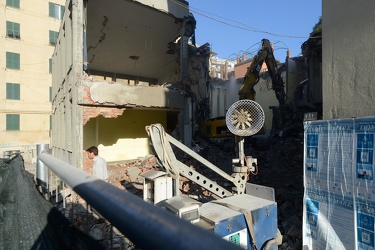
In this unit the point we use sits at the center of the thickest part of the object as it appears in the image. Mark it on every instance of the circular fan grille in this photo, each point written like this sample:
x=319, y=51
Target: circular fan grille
x=245, y=118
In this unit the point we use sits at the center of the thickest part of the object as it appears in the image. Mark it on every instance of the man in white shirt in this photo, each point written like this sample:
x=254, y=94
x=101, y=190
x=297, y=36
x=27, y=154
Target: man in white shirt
x=100, y=165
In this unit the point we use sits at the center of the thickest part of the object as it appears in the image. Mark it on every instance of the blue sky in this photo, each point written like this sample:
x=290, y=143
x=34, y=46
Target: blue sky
x=236, y=27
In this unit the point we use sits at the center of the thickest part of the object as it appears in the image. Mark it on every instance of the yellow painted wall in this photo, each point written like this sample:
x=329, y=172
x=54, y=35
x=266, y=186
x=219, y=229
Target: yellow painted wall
x=124, y=137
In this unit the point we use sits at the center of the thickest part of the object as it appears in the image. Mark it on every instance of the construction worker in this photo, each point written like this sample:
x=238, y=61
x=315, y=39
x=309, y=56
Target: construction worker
x=100, y=165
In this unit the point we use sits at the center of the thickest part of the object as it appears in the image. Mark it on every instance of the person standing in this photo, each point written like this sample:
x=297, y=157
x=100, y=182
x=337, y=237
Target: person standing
x=100, y=165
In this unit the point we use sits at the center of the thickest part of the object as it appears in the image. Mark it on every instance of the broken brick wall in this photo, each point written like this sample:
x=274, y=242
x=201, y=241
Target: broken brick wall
x=241, y=69
x=106, y=112
x=87, y=163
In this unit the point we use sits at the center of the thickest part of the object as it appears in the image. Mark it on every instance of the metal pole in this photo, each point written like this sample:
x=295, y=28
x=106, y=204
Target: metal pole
x=147, y=226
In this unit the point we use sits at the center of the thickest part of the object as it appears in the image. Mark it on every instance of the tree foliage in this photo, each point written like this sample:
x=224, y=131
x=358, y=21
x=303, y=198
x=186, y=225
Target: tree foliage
x=317, y=28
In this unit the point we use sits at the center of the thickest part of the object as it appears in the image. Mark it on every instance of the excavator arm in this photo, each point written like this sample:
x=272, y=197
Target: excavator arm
x=265, y=54
x=217, y=128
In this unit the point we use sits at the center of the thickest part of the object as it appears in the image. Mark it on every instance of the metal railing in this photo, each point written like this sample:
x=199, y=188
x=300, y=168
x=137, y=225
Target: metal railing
x=147, y=226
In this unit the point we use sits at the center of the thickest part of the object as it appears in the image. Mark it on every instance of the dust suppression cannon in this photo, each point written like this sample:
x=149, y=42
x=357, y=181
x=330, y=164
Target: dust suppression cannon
x=244, y=118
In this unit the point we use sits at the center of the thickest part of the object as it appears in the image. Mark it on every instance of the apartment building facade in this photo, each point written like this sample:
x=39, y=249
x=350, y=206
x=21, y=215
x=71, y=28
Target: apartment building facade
x=29, y=31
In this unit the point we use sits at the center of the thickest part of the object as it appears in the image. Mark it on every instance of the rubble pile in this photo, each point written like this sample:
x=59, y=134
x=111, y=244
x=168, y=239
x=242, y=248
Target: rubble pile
x=281, y=167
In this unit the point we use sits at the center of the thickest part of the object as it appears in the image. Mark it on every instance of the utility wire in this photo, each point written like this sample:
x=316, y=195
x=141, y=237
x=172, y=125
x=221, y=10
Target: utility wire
x=200, y=12
x=240, y=26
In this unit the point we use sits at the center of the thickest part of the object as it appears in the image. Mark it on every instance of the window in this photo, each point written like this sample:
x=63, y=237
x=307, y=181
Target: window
x=50, y=65
x=13, y=60
x=53, y=37
x=13, y=3
x=50, y=94
x=13, y=122
x=13, y=30
x=13, y=91
x=56, y=10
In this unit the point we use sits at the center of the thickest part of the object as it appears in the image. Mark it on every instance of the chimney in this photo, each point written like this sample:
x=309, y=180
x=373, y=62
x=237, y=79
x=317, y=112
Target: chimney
x=243, y=57
x=288, y=53
x=238, y=59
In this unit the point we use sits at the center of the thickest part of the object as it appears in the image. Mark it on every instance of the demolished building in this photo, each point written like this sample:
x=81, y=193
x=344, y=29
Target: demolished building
x=302, y=77
x=119, y=66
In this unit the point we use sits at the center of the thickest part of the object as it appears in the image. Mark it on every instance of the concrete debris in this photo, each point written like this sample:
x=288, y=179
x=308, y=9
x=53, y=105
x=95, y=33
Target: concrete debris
x=133, y=173
x=148, y=161
x=97, y=231
x=293, y=232
x=281, y=167
x=116, y=247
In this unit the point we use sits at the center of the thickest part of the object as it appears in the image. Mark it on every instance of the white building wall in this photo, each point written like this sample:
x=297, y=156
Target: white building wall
x=265, y=96
x=348, y=58
x=218, y=100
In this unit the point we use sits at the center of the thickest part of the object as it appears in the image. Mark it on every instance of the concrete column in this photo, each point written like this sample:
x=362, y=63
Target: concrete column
x=77, y=111
x=188, y=129
x=186, y=132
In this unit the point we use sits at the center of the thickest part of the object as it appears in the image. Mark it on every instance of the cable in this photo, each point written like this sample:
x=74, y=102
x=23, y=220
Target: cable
x=165, y=158
x=249, y=167
x=280, y=42
x=200, y=12
x=241, y=26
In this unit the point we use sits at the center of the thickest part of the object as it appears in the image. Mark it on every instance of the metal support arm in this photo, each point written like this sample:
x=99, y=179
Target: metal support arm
x=161, y=144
